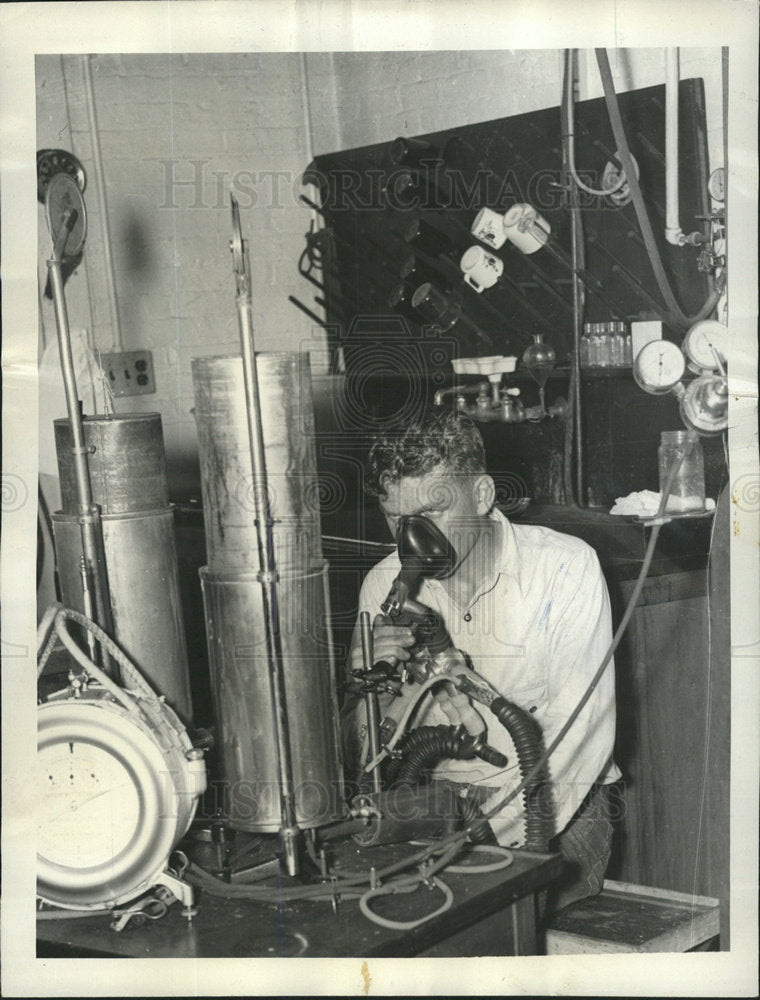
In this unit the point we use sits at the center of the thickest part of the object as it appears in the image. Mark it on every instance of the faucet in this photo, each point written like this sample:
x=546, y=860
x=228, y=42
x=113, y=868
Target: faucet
x=501, y=403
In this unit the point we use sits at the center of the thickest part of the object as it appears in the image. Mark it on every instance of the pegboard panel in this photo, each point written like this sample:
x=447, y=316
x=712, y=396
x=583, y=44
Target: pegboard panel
x=370, y=204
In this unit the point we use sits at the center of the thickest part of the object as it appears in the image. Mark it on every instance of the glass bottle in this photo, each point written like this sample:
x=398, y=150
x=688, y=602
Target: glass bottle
x=682, y=471
x=594, y=345
x=439, y=309
x=584, y=346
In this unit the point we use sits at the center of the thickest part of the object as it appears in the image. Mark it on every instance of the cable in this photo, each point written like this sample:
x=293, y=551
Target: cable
x=507, y=858
x=91, y=668
x=129, y=670
x=404, y=721
x=638, y=202
x=405, y=925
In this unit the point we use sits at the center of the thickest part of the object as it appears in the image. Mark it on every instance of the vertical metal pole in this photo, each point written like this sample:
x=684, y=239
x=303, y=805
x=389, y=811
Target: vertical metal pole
x=370, y=698
x=289, y=831
x=88, y=514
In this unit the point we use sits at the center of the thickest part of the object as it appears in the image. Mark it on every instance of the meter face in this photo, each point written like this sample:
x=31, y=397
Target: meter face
x=89, y=807
x=705, y=344
x=659, y=366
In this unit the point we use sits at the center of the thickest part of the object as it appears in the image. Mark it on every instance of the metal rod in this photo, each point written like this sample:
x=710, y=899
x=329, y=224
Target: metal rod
x=102, y=199
x=289, y=831
x=88, y=514
x=578, y=262
x=370, y=698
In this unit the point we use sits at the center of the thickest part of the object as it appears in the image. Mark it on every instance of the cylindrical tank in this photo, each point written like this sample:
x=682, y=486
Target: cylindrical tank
x=287, y=419
x=143, y=582
x=242, y=696
x=128, y=483
x=233, y=595
x=125, y=461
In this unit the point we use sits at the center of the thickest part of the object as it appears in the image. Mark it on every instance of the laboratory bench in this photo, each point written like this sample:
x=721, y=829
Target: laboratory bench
x=491, y=914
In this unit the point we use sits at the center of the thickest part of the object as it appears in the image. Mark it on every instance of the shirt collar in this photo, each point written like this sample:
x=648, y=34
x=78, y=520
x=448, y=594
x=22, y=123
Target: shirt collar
x=509, y=560
x=508, y=563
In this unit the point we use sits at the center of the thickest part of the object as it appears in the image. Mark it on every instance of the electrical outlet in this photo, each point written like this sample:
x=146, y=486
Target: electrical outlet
x=129, y=373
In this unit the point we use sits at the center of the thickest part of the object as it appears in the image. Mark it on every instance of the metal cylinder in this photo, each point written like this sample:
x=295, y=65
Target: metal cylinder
x=246, y=740
x=125, y=460
x=287, y=418
x=143, y=580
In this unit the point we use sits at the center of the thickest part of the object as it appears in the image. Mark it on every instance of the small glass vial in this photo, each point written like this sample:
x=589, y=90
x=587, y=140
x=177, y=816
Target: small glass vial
x=584, y=346
x=686, y=488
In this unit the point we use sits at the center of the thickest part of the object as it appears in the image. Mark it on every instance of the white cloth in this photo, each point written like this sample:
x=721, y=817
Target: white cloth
x=537, y=630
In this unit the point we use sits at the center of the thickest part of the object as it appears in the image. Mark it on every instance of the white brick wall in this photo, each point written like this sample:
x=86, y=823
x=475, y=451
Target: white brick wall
x=223, y=120
x=227, y=120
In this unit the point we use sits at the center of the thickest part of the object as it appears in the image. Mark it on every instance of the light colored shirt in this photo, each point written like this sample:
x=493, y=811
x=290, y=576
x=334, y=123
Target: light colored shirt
x=537, y=630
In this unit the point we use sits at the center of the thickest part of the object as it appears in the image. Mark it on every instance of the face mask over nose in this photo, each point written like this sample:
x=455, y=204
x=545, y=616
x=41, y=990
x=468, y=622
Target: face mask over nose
x=424, y=551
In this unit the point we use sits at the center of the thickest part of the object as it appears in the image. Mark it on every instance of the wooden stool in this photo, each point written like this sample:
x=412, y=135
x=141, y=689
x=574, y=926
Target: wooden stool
x=627, y=917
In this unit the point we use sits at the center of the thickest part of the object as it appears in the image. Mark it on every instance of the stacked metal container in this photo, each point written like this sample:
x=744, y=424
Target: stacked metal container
x=128, y=482
x=233, y=601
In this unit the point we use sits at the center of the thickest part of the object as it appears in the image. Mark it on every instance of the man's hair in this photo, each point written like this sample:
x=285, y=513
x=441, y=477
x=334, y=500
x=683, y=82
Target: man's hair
x=436, y=439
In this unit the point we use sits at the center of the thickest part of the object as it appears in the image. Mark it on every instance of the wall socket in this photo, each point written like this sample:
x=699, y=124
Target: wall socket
x=129, y=373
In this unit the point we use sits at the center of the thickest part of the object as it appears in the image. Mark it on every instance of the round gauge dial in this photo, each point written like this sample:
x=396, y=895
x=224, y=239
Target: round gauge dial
x=659, y=366
x=57, y=161
x=66, y=215
x=705, y=344
x=716, y=185
x=89, y=806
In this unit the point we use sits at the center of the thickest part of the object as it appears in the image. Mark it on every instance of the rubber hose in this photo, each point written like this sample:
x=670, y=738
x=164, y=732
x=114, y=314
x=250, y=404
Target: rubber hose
x=480, y=831
x=527, y=738
x=423, y=748
x=645, y=225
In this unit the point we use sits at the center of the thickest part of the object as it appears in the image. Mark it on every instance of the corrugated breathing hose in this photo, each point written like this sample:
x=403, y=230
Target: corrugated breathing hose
x=527, y=738
x=425, y=747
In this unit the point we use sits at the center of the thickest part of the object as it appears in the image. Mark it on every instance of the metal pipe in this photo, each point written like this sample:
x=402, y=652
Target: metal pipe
x=101, y=187
x=576, y=235
x=289, y=830
x=370, y=698
x=88, y=515
x=673, y=233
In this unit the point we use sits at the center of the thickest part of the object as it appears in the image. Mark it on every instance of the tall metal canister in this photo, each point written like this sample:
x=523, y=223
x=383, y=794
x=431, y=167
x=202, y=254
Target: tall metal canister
x=233, y=600
x=128, y=481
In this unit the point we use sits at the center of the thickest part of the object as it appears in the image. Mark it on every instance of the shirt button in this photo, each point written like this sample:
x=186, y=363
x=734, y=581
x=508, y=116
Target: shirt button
x=468, y=617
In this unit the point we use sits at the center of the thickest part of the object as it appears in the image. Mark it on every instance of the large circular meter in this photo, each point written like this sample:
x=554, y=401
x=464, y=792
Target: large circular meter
x=705, y=344
x=115, y=791
x=659, y=367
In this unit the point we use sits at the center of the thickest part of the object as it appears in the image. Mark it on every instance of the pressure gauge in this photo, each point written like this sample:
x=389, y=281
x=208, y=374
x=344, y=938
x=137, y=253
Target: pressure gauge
x=659, y=367
x=716, y=185
x=705, y=344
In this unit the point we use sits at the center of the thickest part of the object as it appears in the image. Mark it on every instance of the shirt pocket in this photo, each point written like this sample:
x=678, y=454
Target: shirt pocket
x=532, y=698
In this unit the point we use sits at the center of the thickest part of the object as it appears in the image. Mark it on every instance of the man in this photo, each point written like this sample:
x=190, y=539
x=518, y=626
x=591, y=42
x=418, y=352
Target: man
x=529, y=608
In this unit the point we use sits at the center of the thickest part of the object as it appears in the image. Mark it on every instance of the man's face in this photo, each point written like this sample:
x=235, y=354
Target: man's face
x=457, y=503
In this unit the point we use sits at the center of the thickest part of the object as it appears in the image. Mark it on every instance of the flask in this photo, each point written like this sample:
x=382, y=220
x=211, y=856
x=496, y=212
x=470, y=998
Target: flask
x=686, y=485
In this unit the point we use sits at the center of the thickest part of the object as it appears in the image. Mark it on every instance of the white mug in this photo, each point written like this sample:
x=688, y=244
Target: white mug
x=525, y=228
x=488, y=227
x=481, y=269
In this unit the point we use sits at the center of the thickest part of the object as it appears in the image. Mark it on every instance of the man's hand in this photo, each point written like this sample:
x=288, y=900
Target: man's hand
x=390, y=644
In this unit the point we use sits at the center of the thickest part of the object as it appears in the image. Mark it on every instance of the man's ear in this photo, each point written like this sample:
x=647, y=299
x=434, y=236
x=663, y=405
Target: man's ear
x=485, y=493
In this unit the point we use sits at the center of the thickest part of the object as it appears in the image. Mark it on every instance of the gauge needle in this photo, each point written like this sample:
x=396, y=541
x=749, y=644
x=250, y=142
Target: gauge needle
x=90, y=798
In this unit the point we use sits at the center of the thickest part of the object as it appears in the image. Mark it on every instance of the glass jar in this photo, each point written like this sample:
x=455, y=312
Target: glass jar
x=686, y=488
